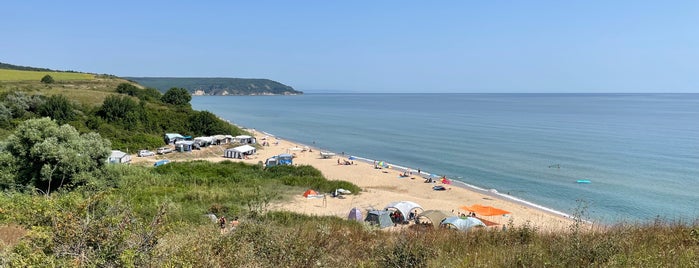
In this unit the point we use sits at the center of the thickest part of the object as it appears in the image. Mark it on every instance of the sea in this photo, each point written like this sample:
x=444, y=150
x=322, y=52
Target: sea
x=637, y=154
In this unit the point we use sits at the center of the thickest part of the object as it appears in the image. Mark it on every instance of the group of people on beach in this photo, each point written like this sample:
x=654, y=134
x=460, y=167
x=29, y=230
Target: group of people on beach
x=222, y=222
x=344, y=162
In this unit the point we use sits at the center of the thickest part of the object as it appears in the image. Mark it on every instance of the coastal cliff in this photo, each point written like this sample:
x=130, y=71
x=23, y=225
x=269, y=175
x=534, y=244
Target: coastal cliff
x=218, y=86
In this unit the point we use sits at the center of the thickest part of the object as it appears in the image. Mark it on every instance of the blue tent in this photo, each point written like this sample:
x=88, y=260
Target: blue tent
x=380, y=218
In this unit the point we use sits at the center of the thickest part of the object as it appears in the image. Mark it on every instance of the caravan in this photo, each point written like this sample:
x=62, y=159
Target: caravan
x=282, y=159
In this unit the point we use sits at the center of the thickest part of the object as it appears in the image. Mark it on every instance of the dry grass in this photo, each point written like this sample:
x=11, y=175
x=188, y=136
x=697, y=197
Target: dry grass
x=10, y=235
x=91, y=92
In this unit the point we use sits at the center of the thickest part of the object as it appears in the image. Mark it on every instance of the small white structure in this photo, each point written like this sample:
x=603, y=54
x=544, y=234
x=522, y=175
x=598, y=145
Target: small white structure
x=118, y=157
x=240, y=151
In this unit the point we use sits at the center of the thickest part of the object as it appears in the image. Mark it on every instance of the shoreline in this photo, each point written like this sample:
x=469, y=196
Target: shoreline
x=461, y=184
x=468, y=188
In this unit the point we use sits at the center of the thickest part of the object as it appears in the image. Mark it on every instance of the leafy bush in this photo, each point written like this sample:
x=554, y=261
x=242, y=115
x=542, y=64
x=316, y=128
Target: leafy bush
x=177, y=96
x=58, y=108
x=49, y=156
x=47, y=79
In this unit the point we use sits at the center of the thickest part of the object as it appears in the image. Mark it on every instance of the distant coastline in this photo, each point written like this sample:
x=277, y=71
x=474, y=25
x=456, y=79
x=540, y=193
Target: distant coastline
x=218, y=86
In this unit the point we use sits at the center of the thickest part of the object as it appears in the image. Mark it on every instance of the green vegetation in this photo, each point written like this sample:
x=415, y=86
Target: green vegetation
x=47, y=79
x=8, y=66
x=62, y=206
x=218, y=86
x=176, y=96
x=46, y=156
x=18, y=75
x=135, y=119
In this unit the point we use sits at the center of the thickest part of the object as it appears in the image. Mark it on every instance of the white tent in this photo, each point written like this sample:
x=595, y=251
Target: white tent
x=462, y=224
x=204, y=141
x=219, y=139
x=405, y=207
x=240, y=151
x=245, y=139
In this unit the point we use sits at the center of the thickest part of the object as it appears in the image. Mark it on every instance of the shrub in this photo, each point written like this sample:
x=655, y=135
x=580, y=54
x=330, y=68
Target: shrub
x=47, y=79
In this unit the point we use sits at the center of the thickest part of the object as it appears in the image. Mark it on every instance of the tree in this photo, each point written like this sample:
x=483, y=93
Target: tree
x=124, y=110
x=48, y=156
x=126, y=88
x=147, y=94
x=206, y=123
x=5, y=116
x=58, y=108
x=177, y=96
x=21, y=104
x=47, y=79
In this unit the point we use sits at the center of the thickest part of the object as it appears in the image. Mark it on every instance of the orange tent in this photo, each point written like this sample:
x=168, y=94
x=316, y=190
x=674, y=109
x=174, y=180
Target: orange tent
x=485, y=210
x=309, y=192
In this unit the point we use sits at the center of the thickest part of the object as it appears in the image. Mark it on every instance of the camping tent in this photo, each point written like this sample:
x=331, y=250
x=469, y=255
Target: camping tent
x=171, y=138
x=433, y=217
x=219, y=139
x=240, y=151
x=310, y=193
x=404, y=207
x=184, y=146
x=355, y=214
x=245, y=139
x=462, y=224
x=204, y=141
x=379, y=217
x=485, y=210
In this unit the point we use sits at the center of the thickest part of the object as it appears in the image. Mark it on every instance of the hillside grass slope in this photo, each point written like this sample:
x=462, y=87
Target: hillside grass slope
x=19, y=75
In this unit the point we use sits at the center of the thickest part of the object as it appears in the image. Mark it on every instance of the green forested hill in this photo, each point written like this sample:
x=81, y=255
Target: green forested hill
x=218, y=86
x=23, y=68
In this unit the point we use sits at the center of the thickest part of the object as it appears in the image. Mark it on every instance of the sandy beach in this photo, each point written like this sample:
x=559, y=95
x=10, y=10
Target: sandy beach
x=381, y=187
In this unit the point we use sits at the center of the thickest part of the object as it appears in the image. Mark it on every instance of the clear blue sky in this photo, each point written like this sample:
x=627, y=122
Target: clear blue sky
x=370, y=46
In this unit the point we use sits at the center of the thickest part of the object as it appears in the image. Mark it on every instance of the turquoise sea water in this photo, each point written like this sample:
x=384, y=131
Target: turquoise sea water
x=640, y=151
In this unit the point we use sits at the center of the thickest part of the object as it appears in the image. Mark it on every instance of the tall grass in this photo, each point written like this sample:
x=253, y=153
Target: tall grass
x=291, y=240
x=154, y=217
